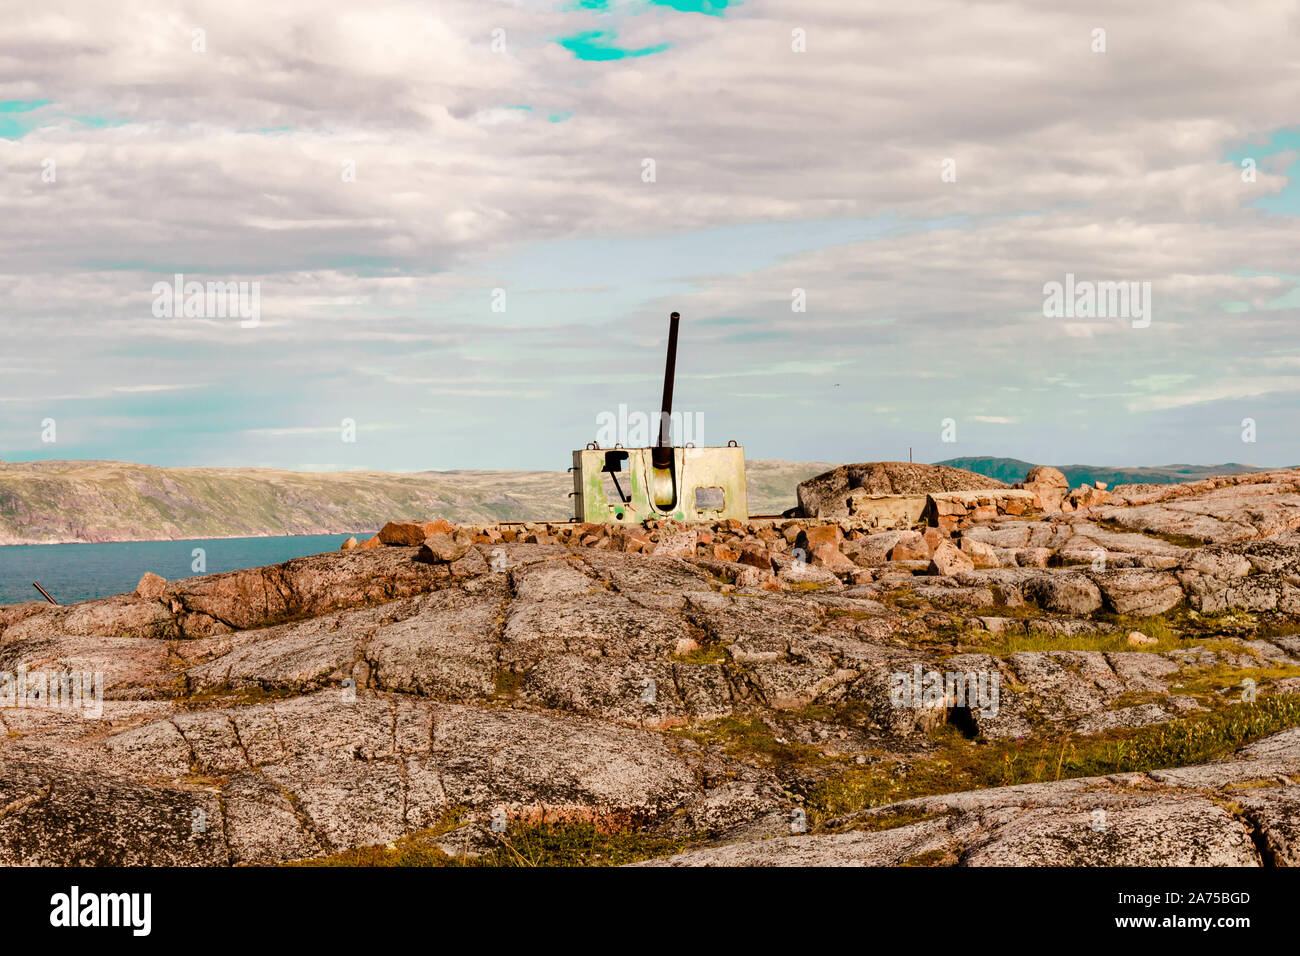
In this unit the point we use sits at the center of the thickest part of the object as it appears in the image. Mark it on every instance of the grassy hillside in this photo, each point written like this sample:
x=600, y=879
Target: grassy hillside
x=55, y=501
x=1012, y=470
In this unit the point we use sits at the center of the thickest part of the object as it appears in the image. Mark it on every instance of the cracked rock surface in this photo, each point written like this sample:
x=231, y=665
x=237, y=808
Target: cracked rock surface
x=354, y=699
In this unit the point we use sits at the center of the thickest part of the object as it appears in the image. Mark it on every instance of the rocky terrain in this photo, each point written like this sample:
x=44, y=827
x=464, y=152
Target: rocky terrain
x=1037, y=675
x=52, y=502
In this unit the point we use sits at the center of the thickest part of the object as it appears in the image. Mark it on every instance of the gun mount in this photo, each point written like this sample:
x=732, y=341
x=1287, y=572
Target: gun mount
x=628, y=485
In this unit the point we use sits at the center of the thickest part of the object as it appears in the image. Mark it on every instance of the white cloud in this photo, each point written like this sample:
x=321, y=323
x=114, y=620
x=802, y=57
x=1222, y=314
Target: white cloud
x=1218, y=391
x=375, y=293
x=152, y=388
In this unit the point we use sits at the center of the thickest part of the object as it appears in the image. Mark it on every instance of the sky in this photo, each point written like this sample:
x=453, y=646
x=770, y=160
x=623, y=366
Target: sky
x=466, y=223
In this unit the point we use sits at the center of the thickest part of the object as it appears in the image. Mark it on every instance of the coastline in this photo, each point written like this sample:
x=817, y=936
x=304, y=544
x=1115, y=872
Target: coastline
x=27, y=543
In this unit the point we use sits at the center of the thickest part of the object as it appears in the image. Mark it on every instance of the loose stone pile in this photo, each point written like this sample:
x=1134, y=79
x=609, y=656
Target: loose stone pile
x=1071, y=550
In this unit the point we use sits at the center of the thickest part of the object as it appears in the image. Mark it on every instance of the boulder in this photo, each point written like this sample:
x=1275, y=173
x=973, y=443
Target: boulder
x=723, y=553
x=1139, y=592
x=1064, y=593
x=811, y=538
x=631, y=542
x=1033, y=557
x=910, y=546
x=1217, y=563
x=797, y=572
x=1086, y=496
x=411, y=534
x=828, y=556
x=948, y=559
x=151, y=587
x=885, y=511
x=980, y=553
x=470, y=564
x=1047, y=476
x=1050, y=485
x=873, y=549
x=828, y=495
x=443, y=548
x=679, y=545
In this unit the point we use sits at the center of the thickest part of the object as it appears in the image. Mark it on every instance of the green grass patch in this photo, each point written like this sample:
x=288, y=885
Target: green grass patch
x=903, y=598
x=853, y=615
x=1003, y=645
x=751, y=739
x=1253, y=784
x=574, y=844
x=1179, y=540
x=708, y=654
x=1179, y=628
x=1277, y=626
x=506, y=682
x=418, y=849
x=1136, y=698
x=928, y=858
x=545, y=844
x=1208, y=684
x=845, y=713
x=226, y=695
x=964, y=765
x=1110, y=635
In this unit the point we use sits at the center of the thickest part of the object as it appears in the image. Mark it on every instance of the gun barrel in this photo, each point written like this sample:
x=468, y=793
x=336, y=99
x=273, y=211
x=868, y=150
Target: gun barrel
x=45, y=593
x=663, y=458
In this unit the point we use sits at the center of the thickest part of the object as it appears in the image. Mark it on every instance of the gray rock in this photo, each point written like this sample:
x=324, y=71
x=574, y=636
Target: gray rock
x=948, y=559
x=443, y=548
x=827, y=495
x=1185, y=831
x=1064, y=593
x=1139, y=592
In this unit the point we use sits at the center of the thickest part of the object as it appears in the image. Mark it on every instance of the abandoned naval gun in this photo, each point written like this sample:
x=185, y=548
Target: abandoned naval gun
x=686, y=483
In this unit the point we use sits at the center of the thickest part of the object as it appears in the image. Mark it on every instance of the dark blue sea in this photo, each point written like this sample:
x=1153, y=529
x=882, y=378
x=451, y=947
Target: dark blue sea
x=78, y=572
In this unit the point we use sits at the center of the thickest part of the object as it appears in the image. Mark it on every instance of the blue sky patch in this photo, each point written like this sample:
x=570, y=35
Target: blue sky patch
x=21, y=106
x=14, y=123
x=1287, y=202
x=711, y=8
x=20, y=117
x=598, y=45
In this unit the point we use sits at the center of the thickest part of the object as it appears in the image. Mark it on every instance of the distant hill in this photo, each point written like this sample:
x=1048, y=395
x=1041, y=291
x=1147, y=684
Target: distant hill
x=47, y=502
x=1012, y=470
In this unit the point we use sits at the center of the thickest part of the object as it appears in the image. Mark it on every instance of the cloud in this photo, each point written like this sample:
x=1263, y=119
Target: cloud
x=1218, y=391
x=152, y=388
x=775, y=171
